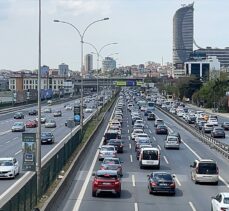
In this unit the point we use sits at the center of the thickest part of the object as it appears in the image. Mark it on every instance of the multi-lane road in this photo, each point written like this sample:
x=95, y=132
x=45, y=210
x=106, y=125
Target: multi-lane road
x=11, y=142
x=135, y=196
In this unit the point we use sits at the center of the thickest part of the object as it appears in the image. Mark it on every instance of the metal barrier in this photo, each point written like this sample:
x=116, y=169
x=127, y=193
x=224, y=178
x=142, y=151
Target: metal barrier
x=22, y=196
x=212, y=142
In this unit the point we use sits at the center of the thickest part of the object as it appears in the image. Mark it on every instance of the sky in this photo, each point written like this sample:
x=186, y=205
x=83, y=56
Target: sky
x=142, y=28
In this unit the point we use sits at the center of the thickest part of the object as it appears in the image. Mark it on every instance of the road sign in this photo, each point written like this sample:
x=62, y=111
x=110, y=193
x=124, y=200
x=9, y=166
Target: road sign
x=77, y=118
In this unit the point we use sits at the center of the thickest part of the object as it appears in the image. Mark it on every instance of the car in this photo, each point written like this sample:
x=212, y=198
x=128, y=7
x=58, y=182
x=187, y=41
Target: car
x=33, y=112
x=218, y=132
x=19, y=115
x=47, y=110
x=205, y=171
x=149, y=157
x=199, y=125
x=140, y=136
x=68, y=107
x=9, y=167
x=138, y=126
x=225, y=125
x=47, y=138
x=107, y=151
x=190, y=119
x=136, y=131
x=140, y=141
x=31, y=124
x=158, y=122
x=176, y=134
x=161, y=182
x=151, y=116
x=43, y=119
x=141, y=146
x=106, y=181
x=88, y=110
x=213, y=121
x=57, y=113
x=207, y=128
x=172, y=142
x=117, y=143
x=50, y=123
x=139, y=121
x=220, y=202
x=112, y=164
x=111, y=134
x=161, y=129
x=18, y=127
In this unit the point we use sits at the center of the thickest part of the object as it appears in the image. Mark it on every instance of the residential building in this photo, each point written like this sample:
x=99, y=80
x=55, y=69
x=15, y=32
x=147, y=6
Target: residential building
x=182, y=38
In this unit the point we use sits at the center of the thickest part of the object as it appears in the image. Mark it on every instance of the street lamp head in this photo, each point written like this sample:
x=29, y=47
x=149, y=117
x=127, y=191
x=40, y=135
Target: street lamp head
x=106, y=19
x=57, y=21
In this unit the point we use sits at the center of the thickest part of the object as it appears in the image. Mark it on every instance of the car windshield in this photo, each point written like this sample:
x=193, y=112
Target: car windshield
x=159, y=176
x=44, y=135
x=18, y=124
x=172, y=139
x=6, y=163
x=107, y=176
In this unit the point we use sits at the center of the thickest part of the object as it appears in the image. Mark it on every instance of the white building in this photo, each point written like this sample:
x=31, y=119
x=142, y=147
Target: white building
x=205, y=69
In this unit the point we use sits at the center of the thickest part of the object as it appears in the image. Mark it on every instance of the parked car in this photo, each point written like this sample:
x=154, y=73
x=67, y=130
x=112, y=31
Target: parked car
x=106, y=181
x=19, y=115
x=205, y=171
x=33, y=112
x=112, y=164
x=47, y=138
x=9, y=167
x=220, y=202
x=218, y=132
x=31, y=124
x=18, y=127
x=161, y=182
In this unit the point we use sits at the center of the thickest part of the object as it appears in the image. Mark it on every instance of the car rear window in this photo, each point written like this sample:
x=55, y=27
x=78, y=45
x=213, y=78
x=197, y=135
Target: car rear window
x=150, y=155
x=163, y=176
x=226, y=200
x=111, y=135
x=207, y=168
x=107, y=176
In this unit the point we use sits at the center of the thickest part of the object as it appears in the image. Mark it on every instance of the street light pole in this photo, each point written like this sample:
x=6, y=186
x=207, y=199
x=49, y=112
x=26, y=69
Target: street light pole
x=82, y=42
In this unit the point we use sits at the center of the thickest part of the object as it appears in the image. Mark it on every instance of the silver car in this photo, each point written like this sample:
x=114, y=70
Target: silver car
x=172, y=142
x=107, y=151
x=50, y=123
x=18, y=127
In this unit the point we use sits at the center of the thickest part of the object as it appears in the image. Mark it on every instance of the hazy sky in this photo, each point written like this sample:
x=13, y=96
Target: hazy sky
x=142, y=29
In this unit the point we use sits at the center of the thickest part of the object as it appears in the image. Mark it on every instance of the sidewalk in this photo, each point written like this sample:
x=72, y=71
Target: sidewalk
x=207, y=110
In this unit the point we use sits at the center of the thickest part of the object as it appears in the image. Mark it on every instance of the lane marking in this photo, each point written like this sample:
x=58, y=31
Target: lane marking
x=131, y=158
x=129, y=138
x=18, y=152
x=127, y=125
x=177, y=180
x=135, y=206
x=127, y=121
x=150, y=131
x=154, y=138
x=223, y=181
x=166, y=160
x=15, y=138
x=133, y=180
x=192, y=206
x=130, y=146
x=159, y=147
x=147, y=126
x=8, y=142
x=128, y=131
x=5, y=132
x=191, y=149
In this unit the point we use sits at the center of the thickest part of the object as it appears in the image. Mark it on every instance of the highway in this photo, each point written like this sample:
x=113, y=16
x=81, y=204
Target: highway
x=11, y=142
x=135, y=196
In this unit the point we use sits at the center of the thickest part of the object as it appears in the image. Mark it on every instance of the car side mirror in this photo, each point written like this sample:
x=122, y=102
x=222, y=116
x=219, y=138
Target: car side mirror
x=173, y=175
x=191, y=166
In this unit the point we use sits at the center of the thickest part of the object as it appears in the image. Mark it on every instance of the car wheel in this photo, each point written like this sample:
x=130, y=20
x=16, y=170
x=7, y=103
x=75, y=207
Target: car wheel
x=118, y=194
x=141, y=167
x=158, y=167
x=93, y=193
x=216, y=183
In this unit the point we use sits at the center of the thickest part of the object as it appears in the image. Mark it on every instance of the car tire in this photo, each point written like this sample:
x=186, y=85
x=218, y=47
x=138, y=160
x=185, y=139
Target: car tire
x=118, y=194
x=93, y=194
x=216, y=183
x=141, y=167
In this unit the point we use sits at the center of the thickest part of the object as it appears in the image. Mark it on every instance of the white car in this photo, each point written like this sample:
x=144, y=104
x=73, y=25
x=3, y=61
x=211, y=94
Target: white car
x=9, y=167
x=107, y=151
x=136, y=131
x=213, y=121
x=88, y=110
x=220, y=202
x=68, y=107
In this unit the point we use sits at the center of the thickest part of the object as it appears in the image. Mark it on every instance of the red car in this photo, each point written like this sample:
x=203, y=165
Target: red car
x=31, y=124
x=106, y=181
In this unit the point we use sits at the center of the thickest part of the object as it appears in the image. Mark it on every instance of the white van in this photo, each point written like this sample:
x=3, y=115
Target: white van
x=149, y=157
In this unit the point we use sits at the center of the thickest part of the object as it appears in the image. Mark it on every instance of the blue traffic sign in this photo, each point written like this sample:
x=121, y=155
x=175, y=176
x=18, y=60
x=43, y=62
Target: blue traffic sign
x=77, y=118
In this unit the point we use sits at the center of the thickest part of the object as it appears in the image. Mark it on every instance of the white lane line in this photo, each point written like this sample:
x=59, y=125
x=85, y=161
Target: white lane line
x=127, y=125
x=133, y=180
x=154, y=138
x=127, y=121
x=135, y=206
x=129, y=138
x=128, y=131
x=15, y=138
x=85, y=184
x=166, y=160
x=159, y=147
x=150, y=131
x=177, y=180
x=147, y=126
x=223, y=180
x=130, y=146
x=192, y=206
x=18, y=152
x=5, y=132
x=191, y=149
x=8, y=142
x=131, y=158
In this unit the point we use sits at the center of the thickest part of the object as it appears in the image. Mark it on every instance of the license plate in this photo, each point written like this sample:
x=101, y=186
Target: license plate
x=163, y=184
x=106, y=183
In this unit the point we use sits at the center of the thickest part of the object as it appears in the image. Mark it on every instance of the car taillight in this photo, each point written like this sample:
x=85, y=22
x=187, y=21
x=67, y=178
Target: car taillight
x=96, y=182
x=153, y=184
x=117, y=182
x=173, y=185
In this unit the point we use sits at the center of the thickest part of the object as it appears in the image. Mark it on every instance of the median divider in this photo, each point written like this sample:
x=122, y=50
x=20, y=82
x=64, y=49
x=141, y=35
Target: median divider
x=23, y=195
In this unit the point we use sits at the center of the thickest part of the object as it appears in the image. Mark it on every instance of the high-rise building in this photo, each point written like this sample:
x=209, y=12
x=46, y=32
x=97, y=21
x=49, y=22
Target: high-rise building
x=88, y=63
x=63, y=70
x=182, y=38
x=44, y=71
x=108, y=64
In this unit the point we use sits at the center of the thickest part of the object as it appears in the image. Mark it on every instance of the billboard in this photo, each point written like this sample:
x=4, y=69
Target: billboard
x=120, y=83
x=29, y=151
x=76, y=111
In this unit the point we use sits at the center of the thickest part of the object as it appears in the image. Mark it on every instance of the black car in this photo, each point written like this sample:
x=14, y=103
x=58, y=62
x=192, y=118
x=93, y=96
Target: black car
x=225, y=125
x=161, y=182
x=161, y=129
x=151, y=116
x=111, y=134
x=218, y=132
x=47, y=138
x=117, y=143
x=33, y=112
x=18, y=115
